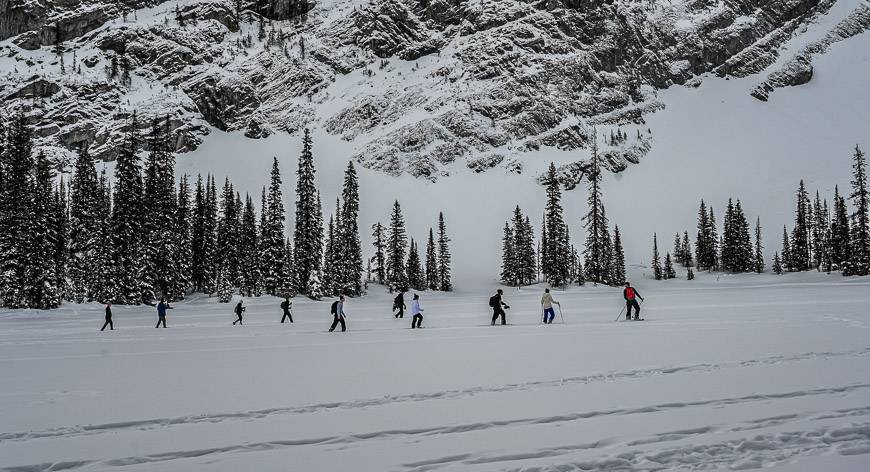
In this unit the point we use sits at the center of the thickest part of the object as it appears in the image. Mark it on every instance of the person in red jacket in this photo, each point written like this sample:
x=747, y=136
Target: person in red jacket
x=631, y=295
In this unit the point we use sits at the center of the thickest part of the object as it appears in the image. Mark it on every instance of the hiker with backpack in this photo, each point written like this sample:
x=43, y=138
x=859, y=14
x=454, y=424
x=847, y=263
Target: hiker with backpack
x=161, y=313
x=239, y=310
x=108, y=318
x=399, y=304
x=547, y=306
x=287, y=308
x=417, y=312
x=337, y=310
x=631, y=295
x=496, y=304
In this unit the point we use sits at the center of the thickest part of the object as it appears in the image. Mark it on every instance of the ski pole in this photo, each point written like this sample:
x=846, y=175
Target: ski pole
x=620, y=314
x=560, y=314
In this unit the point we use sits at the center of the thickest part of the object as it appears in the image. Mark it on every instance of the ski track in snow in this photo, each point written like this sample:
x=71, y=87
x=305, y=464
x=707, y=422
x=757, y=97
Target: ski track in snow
x=79, y=430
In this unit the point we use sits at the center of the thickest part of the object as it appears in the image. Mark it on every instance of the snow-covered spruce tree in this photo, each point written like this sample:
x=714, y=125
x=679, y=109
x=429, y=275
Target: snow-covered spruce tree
x=184, y=241
x=525, y=245
x=786, y=250
x=128, y=217
x=656, y=260
x=227, y=249
x=331, y=261
x=379, y=259
x=287, y=286
x=431, y=262
x=687, y=250
x=350, y=249
x=272, y=227
x=159, y=270
x=397, y=241
x=669, y=272
x=595, y=222
x=249, y=258
x=702, y=241
x=416, y=279
x=508, y=257
x=84, y=217
x=758, y=257
x=744, y=240
x=555, y=262
x=16, y=164
x=714, y=242
x=800, y=236
x=819, y=230
x=859, y=256
x=314, y=289
x=225, y=286
x=729, y=239
x=40, y=286
x=444, y=279
x=840, y=231
x=308, y=234
x=617, y=268
x=678, y=249
x=203, y=236
x=61, y=238
x=104, y=288
x=777, y=264
x=607, y=253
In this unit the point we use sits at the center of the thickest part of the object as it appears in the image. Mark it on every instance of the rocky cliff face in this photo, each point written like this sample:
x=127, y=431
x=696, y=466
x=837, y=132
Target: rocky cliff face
x=418, y=86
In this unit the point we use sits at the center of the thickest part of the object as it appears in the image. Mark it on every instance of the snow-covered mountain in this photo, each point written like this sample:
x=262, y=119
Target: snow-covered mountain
x=414, y=86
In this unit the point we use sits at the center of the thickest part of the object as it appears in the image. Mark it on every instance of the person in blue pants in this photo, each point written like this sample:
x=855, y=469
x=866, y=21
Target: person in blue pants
x=547, y=305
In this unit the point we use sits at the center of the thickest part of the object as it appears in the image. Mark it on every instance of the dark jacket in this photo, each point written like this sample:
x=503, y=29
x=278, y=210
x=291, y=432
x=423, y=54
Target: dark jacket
x=161, y=309
x=108, y=313
x=238, y=309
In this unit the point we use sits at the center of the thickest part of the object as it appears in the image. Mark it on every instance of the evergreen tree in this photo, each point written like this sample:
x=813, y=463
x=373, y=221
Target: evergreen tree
x=330, y=260
x=380, y=258
x=84, y=217
x=127, y=218
x=444, y=280
x=800, y=236
x=840, y=232
x=184, y=240
x=819, y=228
x=41, y=290
x=287, y=287
x=678, y=250
x=203, y=236
x=687, y=250
x=859, y=256
x=159, y=270
x=415, y=273
x=618, y=261
x=272, y=229
x=786, y=250
x=508, y=258
x=669, y=272
x=555, y=263
x=397, y=241
x=758, y=259
x=249, y=257
x=104, y=286
x=16, y=164
x=525, y=244
x=308, y=235
x=656, y=264
x=431, y=262
x=713, y=242
x=228, y=254
x=61, y=238
x=597, y=262
x=350, y=249
x=702, y=245
x=777, y=264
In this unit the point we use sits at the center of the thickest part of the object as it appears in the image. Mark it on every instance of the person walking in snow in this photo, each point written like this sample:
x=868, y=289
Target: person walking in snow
x=399, y=304
x=287, y=307
x=108, y=318
x=631, y=295
x=496, y=303
x=337, y=310
x=417, y=312
x=161, y=313
x=547, y=305
x=239, y=310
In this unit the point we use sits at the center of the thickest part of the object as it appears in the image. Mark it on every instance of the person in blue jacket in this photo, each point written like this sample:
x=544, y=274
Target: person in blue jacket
x=161, y=313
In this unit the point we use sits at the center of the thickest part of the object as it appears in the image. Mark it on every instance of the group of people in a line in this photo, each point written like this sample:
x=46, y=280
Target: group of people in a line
x=498, y=305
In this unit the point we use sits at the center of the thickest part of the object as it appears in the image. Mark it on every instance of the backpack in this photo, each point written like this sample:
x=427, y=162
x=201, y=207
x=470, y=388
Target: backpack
x=398, y=300
x=493, y=301
x=284, y=305
x=334, y=309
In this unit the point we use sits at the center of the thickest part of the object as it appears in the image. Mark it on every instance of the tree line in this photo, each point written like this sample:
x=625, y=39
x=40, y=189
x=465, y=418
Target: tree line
x=556, y=258
x=820, y=239
x=148, y=236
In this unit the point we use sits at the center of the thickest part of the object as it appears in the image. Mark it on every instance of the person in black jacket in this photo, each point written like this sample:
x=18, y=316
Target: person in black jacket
x=399, y=304
x=631, y=295
x=337, y=310
x=108, y=318
x=239, y=310
x=496, y=304
x=287, y=307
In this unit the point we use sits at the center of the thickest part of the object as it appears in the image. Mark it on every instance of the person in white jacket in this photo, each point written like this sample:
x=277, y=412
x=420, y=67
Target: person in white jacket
x=547, y=303
x=417, y=321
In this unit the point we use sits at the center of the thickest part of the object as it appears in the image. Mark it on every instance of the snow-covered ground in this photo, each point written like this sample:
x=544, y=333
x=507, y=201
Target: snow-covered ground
x=726, y=372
